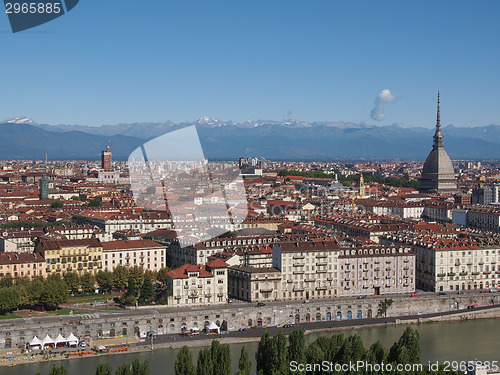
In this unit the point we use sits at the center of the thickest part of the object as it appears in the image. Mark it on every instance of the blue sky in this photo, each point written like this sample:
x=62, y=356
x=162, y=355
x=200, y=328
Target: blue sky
x=112, y=61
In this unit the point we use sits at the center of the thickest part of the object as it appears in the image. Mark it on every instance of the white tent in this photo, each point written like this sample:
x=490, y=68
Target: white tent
x=60, y=340
x=72, y=340
x=47, y=341
x=35, y=342
x=213, y=327
x=195, y=329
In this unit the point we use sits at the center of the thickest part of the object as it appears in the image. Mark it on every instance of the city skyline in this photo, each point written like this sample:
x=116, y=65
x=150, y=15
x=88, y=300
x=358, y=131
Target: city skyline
x=325, y=61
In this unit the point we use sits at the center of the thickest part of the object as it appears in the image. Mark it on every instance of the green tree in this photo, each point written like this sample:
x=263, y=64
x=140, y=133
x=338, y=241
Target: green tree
x=54, y=292
x=383, y=306
x=205, y=365
x=137, y=273
x=87, y=281
x=221, y=358
x=120, y=277
x=9, y=299
x=244, y=365
x=407, y=348
x=147, y=291
x=22, y=285
x=58, y=370
x=105, y=280
x=184, y=362
x=72, y=280
x=35, y=289
x=261, y=356
x=6, y=281
x=104, y=369
x=161, y=276
x=131, y=295
x=124, y=369
x=297, y=348
x=56, y=204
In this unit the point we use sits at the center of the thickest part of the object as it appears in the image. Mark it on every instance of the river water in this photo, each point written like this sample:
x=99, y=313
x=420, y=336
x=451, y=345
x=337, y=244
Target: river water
x=451, y=341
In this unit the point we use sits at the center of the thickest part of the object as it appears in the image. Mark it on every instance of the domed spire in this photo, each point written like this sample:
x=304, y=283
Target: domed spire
x=438, y=136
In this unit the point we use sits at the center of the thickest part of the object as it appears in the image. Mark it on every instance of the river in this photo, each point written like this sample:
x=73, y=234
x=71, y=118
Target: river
x=452, y=341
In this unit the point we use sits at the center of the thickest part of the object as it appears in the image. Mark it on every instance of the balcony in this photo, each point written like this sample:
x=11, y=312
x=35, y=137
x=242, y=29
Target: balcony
x=406, y=268
x=441, y=275
x=298, y=272
x=220, y=294
x=451, y=273
x=186, y=286
x=463, y=273
x=310, y=280
x=208, y=295
x=298, y=289
x=365, y=278
x=475, y=273
x=178, y=296
x=298, y=256
x=321, y=288
x=321, y=256
x=486, y=272
x=193, y=296
x=322, y=264
x=388, y=269
x=321, y=271
x=266, y=290
x=377, y=269
x=298, y=264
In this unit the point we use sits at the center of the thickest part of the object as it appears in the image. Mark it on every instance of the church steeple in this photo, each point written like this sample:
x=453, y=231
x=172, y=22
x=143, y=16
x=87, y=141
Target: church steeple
x=438, y=136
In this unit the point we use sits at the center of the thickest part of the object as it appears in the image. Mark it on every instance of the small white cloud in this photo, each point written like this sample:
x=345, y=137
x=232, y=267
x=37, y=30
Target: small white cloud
x=377, y=112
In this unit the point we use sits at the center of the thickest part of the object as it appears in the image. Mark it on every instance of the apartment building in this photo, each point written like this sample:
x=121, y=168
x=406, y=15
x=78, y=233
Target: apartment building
x=147, y=254
x=452, y=263
x=112, y=220
x=309, y=269
x=376, y=270
x=71, y=255
x=22, y=265
x=198, y=284
x=254, y=284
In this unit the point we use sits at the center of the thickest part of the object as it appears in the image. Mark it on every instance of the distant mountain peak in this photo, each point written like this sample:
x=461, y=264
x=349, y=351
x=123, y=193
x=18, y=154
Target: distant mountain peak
x=20, y=120
x=207, y=120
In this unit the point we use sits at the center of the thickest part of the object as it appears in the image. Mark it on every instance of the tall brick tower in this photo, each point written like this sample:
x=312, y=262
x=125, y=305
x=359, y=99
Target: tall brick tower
x=106, y=160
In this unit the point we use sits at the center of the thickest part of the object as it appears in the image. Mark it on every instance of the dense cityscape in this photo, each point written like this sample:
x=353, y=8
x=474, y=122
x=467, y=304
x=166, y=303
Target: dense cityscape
x=311, y=242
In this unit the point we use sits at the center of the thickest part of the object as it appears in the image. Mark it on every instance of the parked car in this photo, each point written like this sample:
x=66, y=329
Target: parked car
x=493, y=290
x=461, y=292
x=484, y=291
x=442, y=293
x=288, y=325
x=260, y=304
x=306, y=301
x=229, y=300
x=414, y=295
x=361, y=297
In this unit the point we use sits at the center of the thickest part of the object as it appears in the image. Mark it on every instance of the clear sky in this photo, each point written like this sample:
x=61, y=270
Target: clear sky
x=112, y=61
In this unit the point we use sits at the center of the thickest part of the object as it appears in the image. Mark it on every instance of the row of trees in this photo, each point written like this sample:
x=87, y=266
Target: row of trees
x=55, y=290
x=276, y=353
x=215, y=360
x=135, y=368
x=23, y=292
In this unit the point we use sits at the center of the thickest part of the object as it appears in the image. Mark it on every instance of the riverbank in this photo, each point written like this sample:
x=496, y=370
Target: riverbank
x=253, y=335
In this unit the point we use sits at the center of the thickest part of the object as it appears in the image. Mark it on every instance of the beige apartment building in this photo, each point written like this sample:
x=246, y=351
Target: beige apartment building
x=452, y=264
x=71, y=255
x=254, y=284
x=198, y=284
x=309, y=269
x=22, y=265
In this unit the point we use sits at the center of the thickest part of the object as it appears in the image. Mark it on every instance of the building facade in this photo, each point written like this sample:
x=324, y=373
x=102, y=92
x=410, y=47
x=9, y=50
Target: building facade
x=147, y=254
